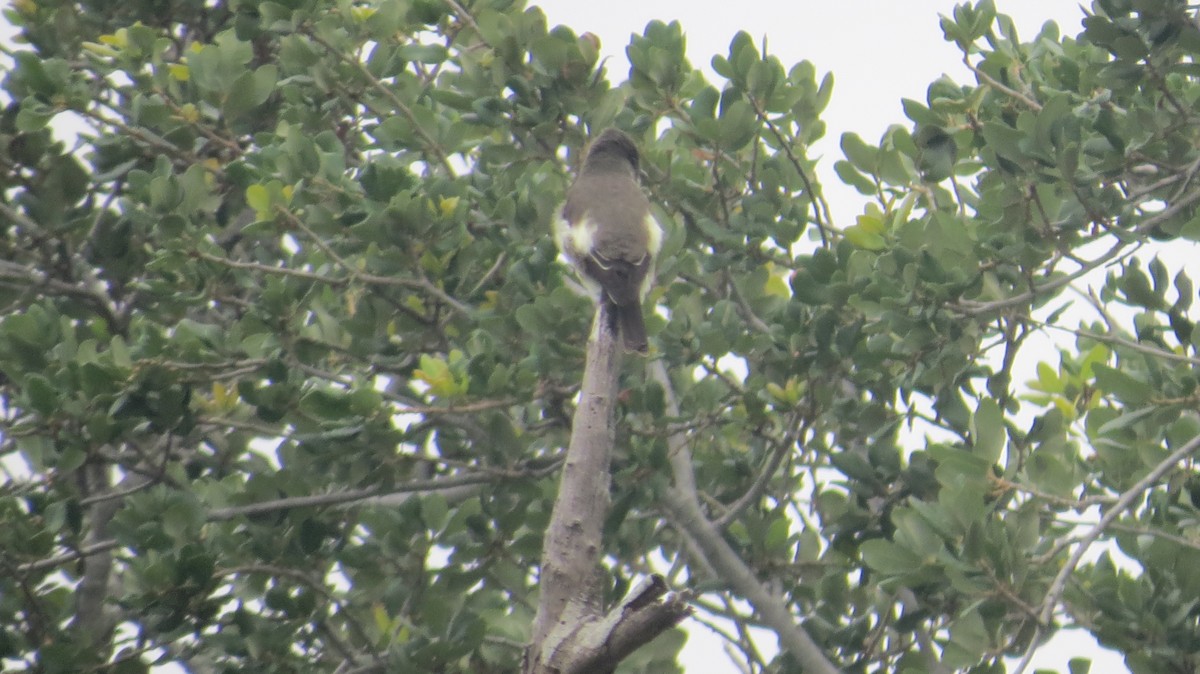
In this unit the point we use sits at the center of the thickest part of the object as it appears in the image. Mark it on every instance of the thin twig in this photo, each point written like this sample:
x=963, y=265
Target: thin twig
x=391, y=96
x=343, y=497
x=422, y=284
x=1058, y=586
x=1121, y=341
x=487, y=276
x=65, y=558
x=465, y=17
x=1157, y=533
x=371, y=279
x=824, y=226
x=976, y=308
x=993, y=83
x=34, y=278
x=760, y=482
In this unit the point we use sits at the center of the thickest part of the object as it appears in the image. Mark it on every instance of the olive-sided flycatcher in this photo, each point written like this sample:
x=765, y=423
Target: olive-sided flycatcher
x=607, y=233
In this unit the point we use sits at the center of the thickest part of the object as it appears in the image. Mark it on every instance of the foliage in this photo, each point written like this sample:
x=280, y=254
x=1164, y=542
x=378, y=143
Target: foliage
x=289, y=360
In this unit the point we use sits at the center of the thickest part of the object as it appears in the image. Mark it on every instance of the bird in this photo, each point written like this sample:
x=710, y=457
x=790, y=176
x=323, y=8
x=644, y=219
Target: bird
x=607, y=233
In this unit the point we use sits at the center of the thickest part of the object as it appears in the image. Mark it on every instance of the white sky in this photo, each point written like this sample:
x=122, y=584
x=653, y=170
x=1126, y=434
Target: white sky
x=879, y=51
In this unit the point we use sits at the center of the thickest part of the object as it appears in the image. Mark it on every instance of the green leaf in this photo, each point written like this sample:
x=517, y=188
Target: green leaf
x=763, y=77
x=988, y=431
x=917, y=112
x=853, y=465
x=1136, y=286
x=215, y=66
x=33, y=116
x=936, y=153
x=120, y=352
x=436, y=53
x=258, y=198
x=1130, y=390
x=1079, y=665
x=865, y=238
x=956, y=465
x=250, y=90
x=1049, y=472
x=435, y=511
x=41, y=394
x=968, y=638
x=862, y=156
x=1004, y=140
x=850, y=175
x=1125, y=420
x=1047, y=379
x=70, y=459
x=776, y=540
x=915, y=533
x=737, y=125
x=888, y=558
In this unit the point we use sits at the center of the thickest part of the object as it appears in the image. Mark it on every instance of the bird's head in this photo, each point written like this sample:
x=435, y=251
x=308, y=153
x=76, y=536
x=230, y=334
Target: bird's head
x=614, y=149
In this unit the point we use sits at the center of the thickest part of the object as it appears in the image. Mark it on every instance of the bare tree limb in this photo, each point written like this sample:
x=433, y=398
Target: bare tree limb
x=768, y=603
x=683, y=504
x=572, y=546
x=94, y=621
x=569, y=635
x=601, y=645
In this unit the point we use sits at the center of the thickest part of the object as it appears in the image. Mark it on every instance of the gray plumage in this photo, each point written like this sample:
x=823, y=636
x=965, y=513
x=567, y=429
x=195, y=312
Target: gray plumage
x=608, y=233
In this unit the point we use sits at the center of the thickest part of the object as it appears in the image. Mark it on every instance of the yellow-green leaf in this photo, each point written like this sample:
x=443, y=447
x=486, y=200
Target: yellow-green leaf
x=864, y=238
x=258, y=198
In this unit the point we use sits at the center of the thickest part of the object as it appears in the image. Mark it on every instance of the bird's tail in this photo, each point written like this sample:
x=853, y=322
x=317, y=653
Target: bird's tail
x=633, y=327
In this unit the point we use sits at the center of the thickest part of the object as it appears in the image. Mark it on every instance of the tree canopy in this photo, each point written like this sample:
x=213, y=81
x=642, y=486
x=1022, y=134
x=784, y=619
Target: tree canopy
x=288, y=366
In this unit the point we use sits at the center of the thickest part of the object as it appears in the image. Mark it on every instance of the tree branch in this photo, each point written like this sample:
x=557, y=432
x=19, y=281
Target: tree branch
x=572, y=546
x=602, y=644
x=93, y=619
x=991, y=82
x=27, y=277
x=68, y=557
x=424, y=285
x=1059, y=585
x=569, y=635
x=825, y=226
x=457, y=486
x=345, y=497
x=760, y=483
x=683, y=503
x=387, y=92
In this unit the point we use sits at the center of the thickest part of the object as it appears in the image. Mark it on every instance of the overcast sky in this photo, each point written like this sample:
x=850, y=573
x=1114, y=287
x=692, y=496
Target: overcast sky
x=879, y=51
